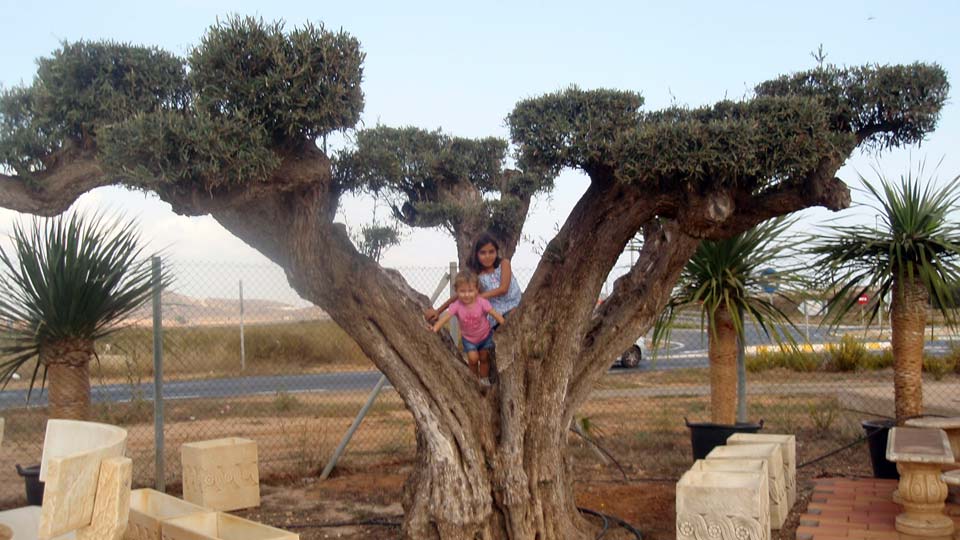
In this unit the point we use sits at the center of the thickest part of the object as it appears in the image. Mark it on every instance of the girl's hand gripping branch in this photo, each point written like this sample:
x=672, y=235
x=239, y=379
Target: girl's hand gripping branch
x=444, y=319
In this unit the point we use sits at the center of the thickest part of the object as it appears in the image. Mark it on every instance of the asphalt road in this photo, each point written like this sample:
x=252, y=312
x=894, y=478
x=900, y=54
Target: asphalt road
x=687, y=350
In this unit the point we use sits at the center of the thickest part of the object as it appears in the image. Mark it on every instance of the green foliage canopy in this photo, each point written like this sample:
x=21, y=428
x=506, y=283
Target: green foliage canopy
x=435, y=179
x=246, y=97
x=780, y=134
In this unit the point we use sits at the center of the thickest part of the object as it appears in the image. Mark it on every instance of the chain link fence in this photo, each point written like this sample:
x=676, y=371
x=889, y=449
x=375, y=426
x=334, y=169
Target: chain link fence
x=244, y=356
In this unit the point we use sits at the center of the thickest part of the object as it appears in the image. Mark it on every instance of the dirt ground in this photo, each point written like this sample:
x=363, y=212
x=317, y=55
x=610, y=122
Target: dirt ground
x=362, y=504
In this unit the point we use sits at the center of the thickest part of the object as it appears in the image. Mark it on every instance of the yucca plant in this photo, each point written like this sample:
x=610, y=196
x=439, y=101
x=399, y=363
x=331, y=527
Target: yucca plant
x=723, y=281
x=911, y=253
x=66, y=282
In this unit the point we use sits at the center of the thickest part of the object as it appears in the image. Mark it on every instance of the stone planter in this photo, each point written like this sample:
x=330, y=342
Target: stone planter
x=150, y=508
x=220, y=526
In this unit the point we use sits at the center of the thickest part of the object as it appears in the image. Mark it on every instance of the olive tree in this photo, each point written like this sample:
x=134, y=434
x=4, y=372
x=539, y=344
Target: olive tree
x=231, y=131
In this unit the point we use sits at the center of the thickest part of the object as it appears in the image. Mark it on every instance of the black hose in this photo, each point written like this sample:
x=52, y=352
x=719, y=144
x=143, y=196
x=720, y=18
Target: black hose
x=596, y=445
x=334, y=524
x=607, y=518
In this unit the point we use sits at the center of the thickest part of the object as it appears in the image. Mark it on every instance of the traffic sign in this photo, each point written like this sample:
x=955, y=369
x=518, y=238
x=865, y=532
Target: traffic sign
x=863, y=299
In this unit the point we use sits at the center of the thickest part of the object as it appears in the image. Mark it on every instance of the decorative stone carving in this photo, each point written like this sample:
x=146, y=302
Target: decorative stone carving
x=220, y=526
x=73, y=453
x=221, y=474
x=112, y=505
x=788, y=451
x=722, y=506
x=919, y=454
x=776, y=482
x=149, y=508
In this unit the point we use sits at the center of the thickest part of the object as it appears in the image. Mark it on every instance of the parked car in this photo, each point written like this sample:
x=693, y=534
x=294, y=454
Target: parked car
x=632, y=357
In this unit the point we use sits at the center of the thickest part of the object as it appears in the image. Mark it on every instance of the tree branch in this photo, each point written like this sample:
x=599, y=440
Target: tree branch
x=637, y=298
x=820, y=188
x=53, y=191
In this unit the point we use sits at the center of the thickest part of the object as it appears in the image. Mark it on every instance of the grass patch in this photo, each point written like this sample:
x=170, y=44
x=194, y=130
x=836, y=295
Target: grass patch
x=213, y=350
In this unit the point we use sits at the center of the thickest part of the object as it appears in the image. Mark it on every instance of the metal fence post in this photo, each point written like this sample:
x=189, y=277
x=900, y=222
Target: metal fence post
x=158, y=375
x=454, y=325
x=243, y=350
x=373, y=394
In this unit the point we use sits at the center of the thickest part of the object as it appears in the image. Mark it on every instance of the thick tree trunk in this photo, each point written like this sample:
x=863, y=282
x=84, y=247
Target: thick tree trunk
x=723, y=368
x=68, y=378
x=908, y=318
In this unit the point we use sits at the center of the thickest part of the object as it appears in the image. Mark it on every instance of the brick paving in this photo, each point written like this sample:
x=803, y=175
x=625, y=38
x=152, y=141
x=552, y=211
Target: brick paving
x=861, y=509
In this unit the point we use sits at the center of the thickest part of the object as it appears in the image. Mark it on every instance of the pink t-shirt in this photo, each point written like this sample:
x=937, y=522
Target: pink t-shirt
x=473, y=319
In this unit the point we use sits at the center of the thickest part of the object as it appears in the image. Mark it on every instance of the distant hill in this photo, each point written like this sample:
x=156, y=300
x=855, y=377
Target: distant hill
x=180, y=310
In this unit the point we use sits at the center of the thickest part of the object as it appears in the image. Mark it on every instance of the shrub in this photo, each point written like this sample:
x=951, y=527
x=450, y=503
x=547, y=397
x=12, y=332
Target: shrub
x=882, y=360
x=794, y=360
x=847, y=355
x=939, y=366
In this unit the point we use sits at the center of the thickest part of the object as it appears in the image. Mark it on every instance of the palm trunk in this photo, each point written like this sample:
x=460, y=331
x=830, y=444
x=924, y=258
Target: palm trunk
x=908, y=318
x=723, y=368
x=68, y=378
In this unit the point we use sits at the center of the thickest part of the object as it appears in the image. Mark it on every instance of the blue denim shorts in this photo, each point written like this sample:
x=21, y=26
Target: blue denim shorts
x=486, y=343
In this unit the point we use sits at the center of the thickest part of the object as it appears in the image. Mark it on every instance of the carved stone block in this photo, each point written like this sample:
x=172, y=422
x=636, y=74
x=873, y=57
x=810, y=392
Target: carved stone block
x=776, y=481
x=73, y=453
x=149, y=508
x=220, y=526
x=788, y=451
x=112, y=505
x=722, y=506
x=221, y=474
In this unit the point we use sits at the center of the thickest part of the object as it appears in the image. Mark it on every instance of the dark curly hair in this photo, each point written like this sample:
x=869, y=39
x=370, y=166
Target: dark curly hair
x=474, y=262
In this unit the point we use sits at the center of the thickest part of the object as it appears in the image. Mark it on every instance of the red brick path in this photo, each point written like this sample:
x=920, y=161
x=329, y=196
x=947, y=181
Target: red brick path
x=843, y=508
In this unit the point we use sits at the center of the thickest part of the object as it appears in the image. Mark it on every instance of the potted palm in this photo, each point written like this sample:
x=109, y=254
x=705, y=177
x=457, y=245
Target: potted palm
x=724, y=282
x=66, y=282
x=911, y=254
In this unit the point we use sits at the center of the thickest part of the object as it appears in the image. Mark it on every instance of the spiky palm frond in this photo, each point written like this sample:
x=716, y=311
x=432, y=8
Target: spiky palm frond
x=728, y=275
x=915, y=238
x=68, y=278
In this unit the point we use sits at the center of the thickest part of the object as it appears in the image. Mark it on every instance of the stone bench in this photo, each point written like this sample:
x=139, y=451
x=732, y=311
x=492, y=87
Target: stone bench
x=722, y=506
x=770, y=453
x=919, y=454
x=788, y=451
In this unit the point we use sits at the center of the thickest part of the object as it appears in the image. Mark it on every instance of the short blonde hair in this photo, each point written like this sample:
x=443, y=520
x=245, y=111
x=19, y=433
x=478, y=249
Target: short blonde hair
x=465, y=277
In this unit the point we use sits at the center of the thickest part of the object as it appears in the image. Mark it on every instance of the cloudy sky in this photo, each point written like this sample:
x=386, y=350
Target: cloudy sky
x=462, y=66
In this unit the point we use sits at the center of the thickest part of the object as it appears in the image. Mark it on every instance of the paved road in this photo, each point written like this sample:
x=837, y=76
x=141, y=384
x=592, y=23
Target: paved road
x=686, y=351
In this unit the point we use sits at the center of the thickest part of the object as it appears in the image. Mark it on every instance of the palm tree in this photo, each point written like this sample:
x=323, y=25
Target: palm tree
x=67, y=282
x=724, y=282
x=912, y=254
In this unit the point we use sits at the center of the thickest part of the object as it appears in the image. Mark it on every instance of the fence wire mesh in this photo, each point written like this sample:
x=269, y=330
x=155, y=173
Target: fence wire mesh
x=295, y=381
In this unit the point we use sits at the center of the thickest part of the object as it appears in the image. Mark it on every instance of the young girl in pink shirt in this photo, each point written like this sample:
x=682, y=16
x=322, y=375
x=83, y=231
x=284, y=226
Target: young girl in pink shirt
x=471, y=311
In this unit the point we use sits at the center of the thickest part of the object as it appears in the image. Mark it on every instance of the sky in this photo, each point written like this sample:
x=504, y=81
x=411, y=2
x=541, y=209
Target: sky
x=462, y=66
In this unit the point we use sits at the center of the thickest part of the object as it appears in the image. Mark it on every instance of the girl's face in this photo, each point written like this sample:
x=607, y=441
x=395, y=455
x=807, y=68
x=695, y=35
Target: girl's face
x=467, y=293
x=487, y=255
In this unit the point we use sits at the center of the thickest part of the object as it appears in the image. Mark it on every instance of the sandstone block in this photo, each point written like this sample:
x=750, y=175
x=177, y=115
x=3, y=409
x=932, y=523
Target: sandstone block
x=788, y=451
x=220, y=526
x=776, y=482
x=149, y=508
x=221, y=474
x=722, y=506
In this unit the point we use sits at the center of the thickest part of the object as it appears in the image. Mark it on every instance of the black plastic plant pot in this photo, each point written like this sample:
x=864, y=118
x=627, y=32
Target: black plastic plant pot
x=877, y=431
x=31, y=479
x=705, y=436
